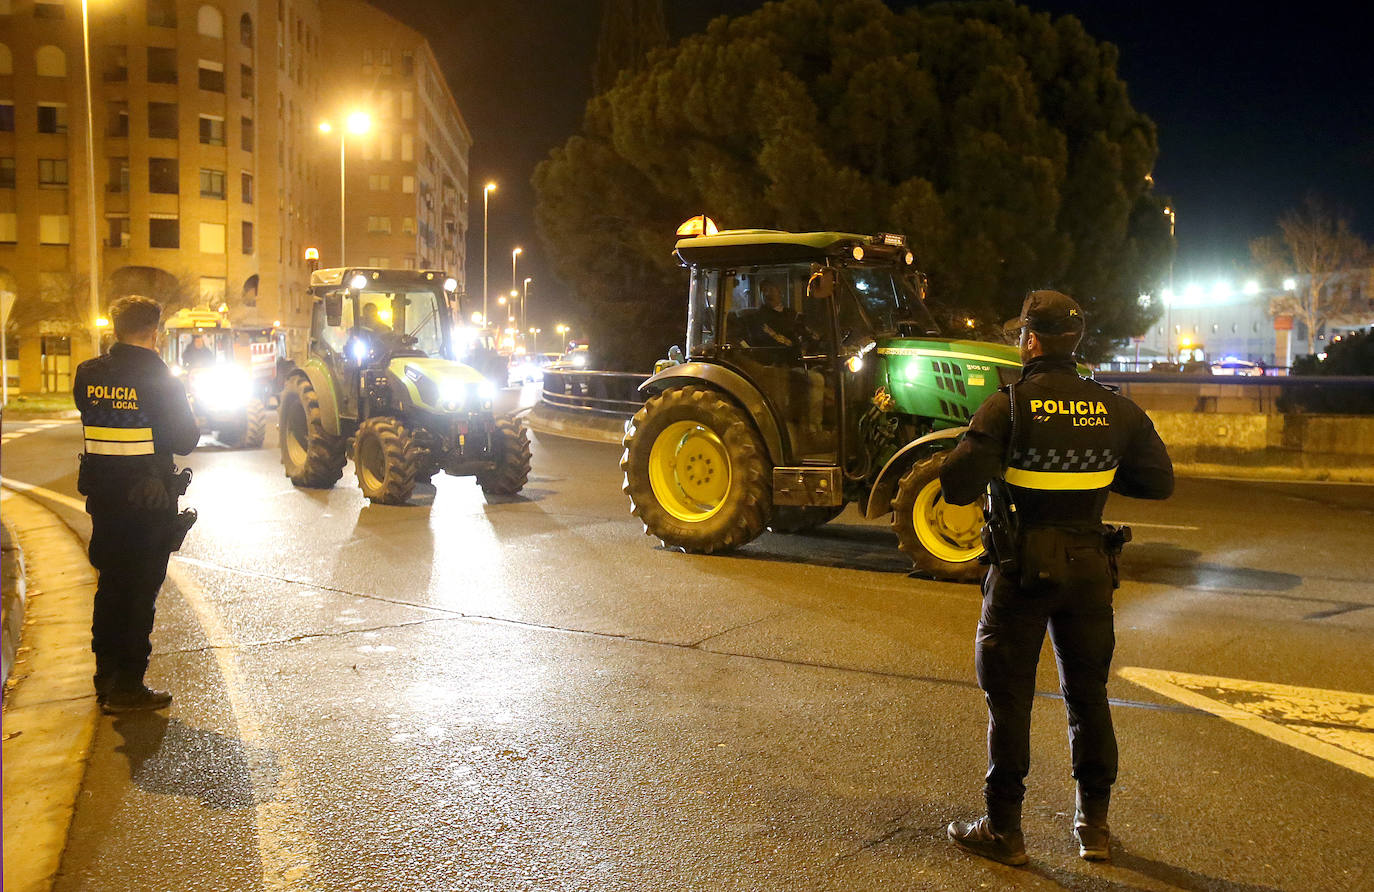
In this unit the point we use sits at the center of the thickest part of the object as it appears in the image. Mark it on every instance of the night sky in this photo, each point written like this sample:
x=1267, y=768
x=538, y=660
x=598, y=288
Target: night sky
x=1254, y=109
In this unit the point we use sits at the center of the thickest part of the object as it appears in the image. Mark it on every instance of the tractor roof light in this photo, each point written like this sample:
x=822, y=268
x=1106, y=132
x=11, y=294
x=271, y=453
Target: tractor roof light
x=858, y=252
x=358, y=282
x=910, y=258
x=450, y=284
x=698, y=225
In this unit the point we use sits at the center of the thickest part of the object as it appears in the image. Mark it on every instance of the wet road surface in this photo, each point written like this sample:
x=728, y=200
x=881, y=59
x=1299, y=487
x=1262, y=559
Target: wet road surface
x=527, y=693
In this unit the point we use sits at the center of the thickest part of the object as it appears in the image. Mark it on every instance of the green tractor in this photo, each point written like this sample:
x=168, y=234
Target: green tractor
x=814, y=377
x=379, y=384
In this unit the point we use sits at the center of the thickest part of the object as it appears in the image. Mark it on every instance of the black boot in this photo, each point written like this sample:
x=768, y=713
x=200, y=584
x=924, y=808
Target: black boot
x=133, y=699
x=1090, y=826
x=997, y=835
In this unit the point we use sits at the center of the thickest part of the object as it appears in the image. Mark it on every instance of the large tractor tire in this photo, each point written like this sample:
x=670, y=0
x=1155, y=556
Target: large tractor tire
x=255, y=430
x=510, y=450
x=696, y=471
x=311, y=457
x=801, y=518
x=384, y=461
x=941, y=539
x=233, y=436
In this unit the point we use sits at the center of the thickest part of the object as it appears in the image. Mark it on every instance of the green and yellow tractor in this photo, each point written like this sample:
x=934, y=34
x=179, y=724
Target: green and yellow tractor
x=814, y=377
x=379, y=384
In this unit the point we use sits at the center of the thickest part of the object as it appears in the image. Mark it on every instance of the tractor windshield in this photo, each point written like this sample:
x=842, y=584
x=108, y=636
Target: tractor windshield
x=414, y=314
x=889, y=297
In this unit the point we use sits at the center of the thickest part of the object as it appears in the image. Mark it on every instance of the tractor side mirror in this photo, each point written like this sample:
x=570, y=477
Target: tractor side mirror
x=333, y=309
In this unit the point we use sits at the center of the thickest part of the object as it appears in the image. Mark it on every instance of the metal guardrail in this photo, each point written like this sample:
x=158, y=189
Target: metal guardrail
x=604, y=393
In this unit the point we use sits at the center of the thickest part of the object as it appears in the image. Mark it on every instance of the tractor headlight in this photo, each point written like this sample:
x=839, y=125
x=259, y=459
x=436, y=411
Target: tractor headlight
x=452, y=395
x=222, y=388
x=486, y=391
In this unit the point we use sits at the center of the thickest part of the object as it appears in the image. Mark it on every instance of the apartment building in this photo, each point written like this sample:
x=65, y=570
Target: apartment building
x=407, y=176
x=211, y=176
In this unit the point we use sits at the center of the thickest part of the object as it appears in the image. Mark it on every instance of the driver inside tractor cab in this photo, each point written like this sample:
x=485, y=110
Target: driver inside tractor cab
x=375, y=337
x=197, y=355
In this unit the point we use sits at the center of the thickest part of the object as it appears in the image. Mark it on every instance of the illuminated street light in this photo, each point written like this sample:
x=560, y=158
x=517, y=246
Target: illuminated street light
x=501, y=300
x=524, y=300
x=1289, y=284
x=357, y=123
x=1221, y=290
x=486, y=198
x=515, y=252
x=93, y=279
x=1252, y=287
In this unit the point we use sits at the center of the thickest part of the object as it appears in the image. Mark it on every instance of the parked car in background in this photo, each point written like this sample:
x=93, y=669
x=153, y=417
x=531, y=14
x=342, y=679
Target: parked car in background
x=1233, y=366
x=529, y=368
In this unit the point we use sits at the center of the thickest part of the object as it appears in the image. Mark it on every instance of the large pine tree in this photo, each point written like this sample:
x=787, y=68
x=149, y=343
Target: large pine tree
x=630, y=30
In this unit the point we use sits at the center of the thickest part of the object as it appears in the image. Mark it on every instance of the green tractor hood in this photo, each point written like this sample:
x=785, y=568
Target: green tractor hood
x=442, y=385
x=945, y=380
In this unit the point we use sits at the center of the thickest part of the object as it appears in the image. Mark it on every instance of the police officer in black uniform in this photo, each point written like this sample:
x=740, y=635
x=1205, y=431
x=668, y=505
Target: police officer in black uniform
x=1054, y=445
x=135, y=416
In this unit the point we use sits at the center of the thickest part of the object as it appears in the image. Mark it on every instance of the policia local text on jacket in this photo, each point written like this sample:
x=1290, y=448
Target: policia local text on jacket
x=135, y=416
x=1073, y=442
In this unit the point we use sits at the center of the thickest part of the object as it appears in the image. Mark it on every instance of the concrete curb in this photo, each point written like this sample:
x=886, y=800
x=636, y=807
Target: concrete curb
x=50, y=711
x=13, y=590
x=543, y=419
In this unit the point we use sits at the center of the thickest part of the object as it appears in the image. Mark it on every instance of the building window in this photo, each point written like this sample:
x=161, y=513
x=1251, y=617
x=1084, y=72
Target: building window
x=408, y=185
x=52, y=117
x=211, y=183
x=407, y=104
x=162, y=65
x=381, y=262
x=246, y=30
x=408, y=225
x=54, y=229
x=247, y=237
x=246, y=81
x=118, y=232
x=162, y=120
x=162, y=177
x=385, y=143
x=6, y=59
x=407, y=63
x=407, y=147
x=52, y=172
x=212, y=238
x=116, y=64
x=118, y=178
x=379, y=182
x=117, y=119
x=384, y=61
x=49, y=9
x=211, y=76
x=50, y=62
x=6, y=173
x=209, y=22
x=379, y=224
x=162, y=13
x=9, y=228
x=246, y=129
x=246, y=186
x=6, y=117
x=212, y=290
x=367, y=60
x=211, y=130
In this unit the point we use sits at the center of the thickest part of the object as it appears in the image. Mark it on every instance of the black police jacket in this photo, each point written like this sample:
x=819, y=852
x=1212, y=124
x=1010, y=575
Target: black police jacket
x=134, y=416
x=1075, y=441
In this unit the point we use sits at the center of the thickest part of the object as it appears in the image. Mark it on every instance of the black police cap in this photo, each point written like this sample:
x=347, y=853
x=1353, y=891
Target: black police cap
x=1048, y=312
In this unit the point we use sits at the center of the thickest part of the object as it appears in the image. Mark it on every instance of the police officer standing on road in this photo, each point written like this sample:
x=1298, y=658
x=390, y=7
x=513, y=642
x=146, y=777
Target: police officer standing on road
x=1049, y=449
x=135, y=416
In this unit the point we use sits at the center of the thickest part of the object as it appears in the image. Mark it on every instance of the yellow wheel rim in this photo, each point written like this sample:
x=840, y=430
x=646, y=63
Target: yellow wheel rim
x=689, y=471
x=949, y=532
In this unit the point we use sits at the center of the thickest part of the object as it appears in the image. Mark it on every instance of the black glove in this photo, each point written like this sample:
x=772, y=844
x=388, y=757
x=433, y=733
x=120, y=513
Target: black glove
x=150, y=494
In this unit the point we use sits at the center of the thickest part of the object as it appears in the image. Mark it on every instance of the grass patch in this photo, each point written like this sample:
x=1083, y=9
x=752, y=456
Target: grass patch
x=31, y=404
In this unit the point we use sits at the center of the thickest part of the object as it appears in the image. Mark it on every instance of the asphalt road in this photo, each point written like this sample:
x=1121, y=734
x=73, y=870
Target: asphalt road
x=528, y=693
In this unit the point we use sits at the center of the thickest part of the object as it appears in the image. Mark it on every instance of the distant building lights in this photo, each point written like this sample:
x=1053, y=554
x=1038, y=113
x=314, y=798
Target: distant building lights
x=1193, y=292
x=1252, y=287
x=1290, y=283
x=1167, y=295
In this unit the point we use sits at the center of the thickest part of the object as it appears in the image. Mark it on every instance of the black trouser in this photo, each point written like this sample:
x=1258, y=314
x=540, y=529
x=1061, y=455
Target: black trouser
x=1078, y=612
x=130, y=549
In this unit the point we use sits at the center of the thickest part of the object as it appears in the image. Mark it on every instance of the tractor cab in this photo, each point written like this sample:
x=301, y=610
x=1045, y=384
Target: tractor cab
x=229, y=372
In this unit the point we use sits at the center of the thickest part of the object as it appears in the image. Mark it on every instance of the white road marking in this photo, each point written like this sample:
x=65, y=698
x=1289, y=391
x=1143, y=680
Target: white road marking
x=285, y=846
x=1337, y=726
x=1161, y=526
x=1297, y=481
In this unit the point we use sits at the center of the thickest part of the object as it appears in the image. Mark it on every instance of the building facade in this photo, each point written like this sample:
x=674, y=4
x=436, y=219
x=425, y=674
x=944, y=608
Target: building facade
x=407, y=176
x=211, y=178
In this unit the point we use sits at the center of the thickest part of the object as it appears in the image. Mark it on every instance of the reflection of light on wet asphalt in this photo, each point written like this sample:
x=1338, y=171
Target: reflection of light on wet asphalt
x=1334, y=725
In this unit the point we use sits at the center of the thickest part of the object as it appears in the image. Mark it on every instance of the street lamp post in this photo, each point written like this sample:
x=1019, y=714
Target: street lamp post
x=515, y=252
x=1169, y=304
x=357, y=123
x=525, y=299
x=92, y=236
x=486, y=198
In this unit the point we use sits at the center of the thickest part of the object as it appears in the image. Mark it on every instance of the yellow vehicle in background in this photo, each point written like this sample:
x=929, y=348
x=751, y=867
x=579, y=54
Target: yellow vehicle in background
x=230, y=373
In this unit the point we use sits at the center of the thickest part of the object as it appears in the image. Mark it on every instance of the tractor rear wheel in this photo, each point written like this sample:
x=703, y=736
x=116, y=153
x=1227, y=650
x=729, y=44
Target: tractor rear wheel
x=510, y=451
x=801, y=518
x=384, y=460
x=942, y=540
x=256, y=429
x=696, y=471
x=311, y=457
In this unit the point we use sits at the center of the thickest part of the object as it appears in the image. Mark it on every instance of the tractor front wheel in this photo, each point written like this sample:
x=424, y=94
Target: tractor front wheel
x=311, y=457
x=510, y=451
x=696, y=471
x=941, y=539
x=384, y=461
x=255, y=430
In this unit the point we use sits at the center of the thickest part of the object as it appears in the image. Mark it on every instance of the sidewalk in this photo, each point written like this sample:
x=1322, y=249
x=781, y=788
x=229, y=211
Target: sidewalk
x=49, y=708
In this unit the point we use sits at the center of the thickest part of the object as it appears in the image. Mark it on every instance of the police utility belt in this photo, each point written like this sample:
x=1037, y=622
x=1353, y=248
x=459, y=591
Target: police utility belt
x=152, y=493
x=1037, y=556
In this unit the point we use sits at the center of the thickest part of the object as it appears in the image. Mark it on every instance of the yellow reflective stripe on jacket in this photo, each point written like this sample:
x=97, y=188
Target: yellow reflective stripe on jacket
x=119, y=434
x=1060, y=479
x=105, y=447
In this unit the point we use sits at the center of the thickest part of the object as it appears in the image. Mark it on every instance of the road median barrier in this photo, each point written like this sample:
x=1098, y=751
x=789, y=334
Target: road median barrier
x=50, y=710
